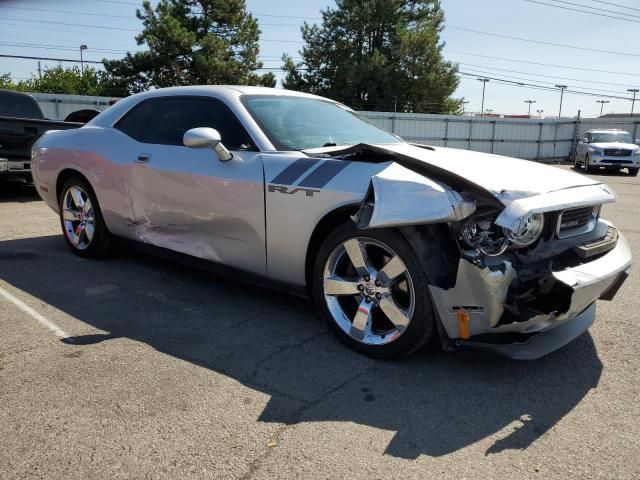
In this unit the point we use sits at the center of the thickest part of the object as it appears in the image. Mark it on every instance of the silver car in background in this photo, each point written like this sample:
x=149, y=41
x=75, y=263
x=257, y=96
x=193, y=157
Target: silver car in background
x=397, y=243
x=610, y=149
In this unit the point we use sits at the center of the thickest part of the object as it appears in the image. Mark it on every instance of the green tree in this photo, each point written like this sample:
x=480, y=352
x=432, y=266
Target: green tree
x=71, y=81
x=5, y=81
x=377, y=55
x=192, y=42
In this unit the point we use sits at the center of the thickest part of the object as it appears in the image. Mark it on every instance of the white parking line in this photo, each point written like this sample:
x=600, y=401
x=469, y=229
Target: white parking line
x=35, y=315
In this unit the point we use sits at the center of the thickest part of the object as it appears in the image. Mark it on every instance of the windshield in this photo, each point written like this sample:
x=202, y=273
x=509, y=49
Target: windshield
x=298, y=123
x=623, y=137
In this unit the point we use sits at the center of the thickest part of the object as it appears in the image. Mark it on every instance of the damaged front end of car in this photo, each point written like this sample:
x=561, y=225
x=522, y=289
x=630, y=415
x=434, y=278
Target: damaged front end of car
x=520, y=277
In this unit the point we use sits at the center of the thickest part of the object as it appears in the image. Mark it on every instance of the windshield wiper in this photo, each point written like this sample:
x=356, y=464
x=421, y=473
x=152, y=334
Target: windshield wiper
x=330, y=144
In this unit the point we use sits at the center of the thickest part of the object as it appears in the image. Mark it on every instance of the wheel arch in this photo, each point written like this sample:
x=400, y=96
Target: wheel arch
x=330, y=221
x=437, y=251
x=64, y=176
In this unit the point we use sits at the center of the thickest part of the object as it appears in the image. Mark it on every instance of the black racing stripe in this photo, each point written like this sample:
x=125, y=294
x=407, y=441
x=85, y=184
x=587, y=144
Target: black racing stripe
x=293, y=171
x=323, y=174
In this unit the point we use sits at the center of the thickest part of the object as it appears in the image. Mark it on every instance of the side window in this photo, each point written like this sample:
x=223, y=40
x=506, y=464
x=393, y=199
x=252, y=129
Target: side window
x=588, y=138
x=164, y=121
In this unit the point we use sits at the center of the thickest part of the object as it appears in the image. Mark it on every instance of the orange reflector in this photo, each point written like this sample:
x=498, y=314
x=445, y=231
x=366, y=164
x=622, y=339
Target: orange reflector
x=463, y=323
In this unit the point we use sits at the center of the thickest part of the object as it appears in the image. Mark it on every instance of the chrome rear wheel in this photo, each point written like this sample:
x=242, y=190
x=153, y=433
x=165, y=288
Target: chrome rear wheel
x=81, y=219
x=78, y=217
x=368, y=291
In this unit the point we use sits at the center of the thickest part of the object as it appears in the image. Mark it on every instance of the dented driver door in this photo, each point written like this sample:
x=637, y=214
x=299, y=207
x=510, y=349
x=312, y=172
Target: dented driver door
x=187, y=200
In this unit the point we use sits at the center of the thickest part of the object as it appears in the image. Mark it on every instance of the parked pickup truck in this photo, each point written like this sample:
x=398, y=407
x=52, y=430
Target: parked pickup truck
x=21, y=124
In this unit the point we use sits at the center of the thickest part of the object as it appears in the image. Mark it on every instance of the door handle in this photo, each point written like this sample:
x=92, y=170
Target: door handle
x=143, y=157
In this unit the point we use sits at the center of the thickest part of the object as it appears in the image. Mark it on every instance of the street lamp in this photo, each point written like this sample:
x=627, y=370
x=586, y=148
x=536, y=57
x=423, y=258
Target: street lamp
x=561, y=87
x=602, y=102
x=539, y=112
x=484, y=84
x=464, y=102
x=634, y=91
x=529, y=102
x=82, y=47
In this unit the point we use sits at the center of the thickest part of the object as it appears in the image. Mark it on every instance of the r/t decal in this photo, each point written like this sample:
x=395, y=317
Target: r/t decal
x=290, y=191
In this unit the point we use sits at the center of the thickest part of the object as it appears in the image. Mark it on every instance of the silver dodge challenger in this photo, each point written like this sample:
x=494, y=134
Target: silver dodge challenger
x=397, y=243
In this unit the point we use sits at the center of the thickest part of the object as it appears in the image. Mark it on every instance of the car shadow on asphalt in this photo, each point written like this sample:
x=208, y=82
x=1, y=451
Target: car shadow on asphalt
x=17, y=191
x=435, y=402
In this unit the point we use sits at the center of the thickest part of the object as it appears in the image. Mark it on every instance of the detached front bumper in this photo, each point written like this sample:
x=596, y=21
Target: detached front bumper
x=482, y=293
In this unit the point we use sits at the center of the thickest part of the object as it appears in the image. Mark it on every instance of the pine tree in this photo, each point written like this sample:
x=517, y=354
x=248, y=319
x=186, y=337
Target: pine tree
x=192, y=42
x=377, y=55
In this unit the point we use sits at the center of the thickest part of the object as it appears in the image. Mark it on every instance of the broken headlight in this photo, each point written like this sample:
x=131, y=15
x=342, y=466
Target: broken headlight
x=528, y=231
x=484, y=235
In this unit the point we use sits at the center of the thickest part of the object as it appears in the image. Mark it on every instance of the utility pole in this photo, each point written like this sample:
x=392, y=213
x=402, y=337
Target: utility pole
x=634, y=91
x=82, y=47
x=539, y=112
x=39, y=70
x=529, y=102
x=602, y=102
x=561, y=87
x=484, y=84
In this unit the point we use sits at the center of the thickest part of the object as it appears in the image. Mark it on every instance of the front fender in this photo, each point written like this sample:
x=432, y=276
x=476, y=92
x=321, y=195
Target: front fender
x=399, y=197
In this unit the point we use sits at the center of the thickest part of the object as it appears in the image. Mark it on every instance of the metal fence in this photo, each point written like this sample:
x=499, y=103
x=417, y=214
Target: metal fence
x=57, y=106
x=545, y=140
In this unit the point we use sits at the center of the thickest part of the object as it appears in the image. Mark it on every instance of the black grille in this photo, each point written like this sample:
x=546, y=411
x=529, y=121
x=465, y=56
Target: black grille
x=575, y=218
x=617, y=152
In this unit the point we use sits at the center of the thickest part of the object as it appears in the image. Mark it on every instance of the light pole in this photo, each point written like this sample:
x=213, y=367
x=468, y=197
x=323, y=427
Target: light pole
x=602, y=102
x=82, y=47
x=464, y=102
x=529, y=102
x=484, y=84
x=634, y=91
x=539, y=112
x=561, y=87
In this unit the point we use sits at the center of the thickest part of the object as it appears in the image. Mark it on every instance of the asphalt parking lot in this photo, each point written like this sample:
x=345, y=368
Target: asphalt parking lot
x=157, y=370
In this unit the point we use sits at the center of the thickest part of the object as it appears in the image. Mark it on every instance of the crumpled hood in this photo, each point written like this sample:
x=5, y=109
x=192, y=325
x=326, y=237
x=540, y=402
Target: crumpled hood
x=507, y=178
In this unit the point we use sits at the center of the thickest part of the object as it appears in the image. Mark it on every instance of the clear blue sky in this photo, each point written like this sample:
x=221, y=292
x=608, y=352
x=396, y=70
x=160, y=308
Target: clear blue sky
x=21, y=34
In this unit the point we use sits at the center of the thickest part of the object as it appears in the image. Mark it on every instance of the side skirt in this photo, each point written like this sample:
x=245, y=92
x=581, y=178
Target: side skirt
x=216, y=268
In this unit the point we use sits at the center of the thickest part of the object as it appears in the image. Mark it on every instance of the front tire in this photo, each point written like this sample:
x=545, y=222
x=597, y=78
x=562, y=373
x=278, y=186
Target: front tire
x=634, y=171
x=576, y=162
x=372, y=291
x=587, y=164
x=82, y=224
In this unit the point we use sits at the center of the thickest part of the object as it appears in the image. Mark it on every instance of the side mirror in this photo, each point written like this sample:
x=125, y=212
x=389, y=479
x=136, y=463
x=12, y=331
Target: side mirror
x=205, y=137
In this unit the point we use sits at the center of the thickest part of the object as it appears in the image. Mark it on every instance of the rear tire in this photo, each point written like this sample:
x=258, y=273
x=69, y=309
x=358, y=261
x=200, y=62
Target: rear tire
x=376, y=301
x=634, y=171
x=81, y=220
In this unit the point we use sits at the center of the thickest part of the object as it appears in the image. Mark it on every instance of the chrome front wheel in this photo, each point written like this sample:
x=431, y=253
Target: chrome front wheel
x=368, y=291
x=373, y=292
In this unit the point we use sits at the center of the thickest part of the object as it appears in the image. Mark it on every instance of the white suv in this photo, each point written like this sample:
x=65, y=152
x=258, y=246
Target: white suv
x=611, y=149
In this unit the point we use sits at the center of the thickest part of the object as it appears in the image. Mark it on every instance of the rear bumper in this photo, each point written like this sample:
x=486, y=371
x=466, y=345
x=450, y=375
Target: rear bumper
x=10, y=167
